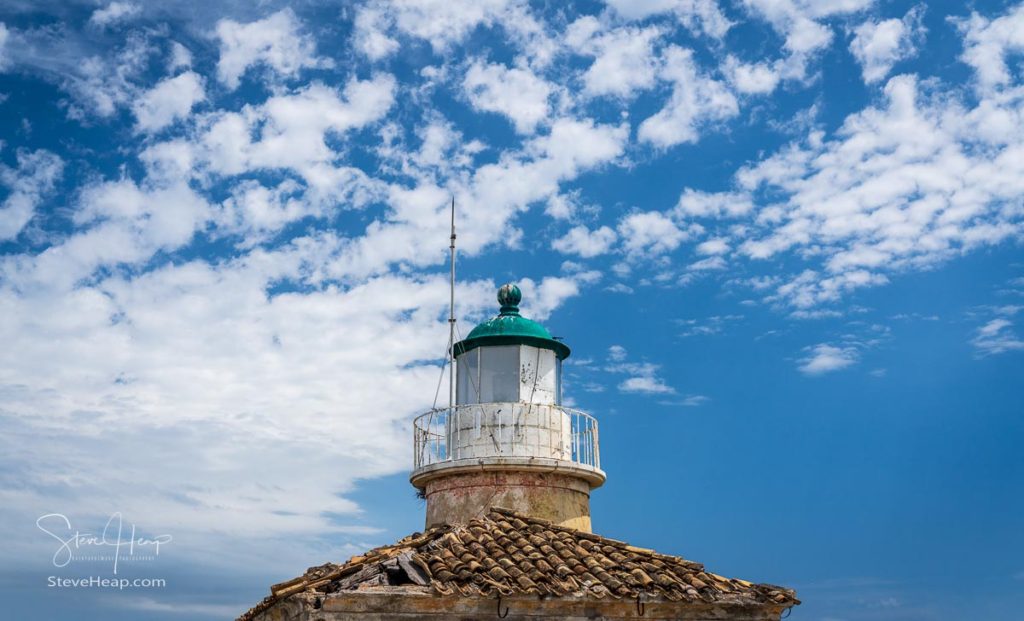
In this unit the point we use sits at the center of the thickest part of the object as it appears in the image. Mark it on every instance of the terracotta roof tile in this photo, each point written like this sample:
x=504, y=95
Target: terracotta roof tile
x=507, y=554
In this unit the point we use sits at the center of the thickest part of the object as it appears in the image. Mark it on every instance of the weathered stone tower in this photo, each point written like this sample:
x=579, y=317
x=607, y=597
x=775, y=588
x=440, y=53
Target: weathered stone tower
x=508, y=441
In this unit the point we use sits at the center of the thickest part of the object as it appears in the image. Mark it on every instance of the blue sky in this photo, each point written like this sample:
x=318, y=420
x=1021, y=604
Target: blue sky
x=782, y=237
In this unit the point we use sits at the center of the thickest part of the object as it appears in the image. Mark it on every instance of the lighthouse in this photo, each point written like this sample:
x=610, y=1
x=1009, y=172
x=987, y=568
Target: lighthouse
x=507, y=441
x=507, y=472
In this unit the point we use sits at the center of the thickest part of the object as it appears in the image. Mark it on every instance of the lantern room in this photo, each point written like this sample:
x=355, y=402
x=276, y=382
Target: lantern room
x=509, y=359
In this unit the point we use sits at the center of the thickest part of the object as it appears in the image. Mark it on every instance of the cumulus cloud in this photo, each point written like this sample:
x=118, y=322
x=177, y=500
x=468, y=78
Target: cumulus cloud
x=697, y=15
x=624, y=59
x=291, y=130
x=114, y=12
x=255, y=211
x=586, y=243
x=694, y=203
x=170, y=100
x=541, y=299
x=27, y=184
x=902, y=185
x=825, y=358
x=616, y=353
x=513, y=92
x=277, y=42
x=987, y=43
x=696, y=100
x=645, y=384
x=102, y=85
x=713, y=246
x=650, y=233
x=799, y=22
x=442, y=23
x=878, y=45
x=370, y=36
x=752, y=78
x=489, y=196
x=173, y=366
x=180, y=57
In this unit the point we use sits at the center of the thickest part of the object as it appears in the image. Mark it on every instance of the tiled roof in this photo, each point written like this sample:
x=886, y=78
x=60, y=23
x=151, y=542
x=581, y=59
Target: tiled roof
x=507, y=554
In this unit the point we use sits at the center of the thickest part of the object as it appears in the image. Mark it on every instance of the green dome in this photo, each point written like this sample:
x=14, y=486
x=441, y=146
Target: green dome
x=510, y=328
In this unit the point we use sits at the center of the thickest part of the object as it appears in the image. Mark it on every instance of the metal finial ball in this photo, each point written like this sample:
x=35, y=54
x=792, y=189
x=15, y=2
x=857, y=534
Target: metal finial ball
x=509, y=295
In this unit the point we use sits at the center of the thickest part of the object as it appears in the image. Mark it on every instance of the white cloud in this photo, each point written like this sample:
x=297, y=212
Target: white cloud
x=180, y=57
x=998, y=335
x=290, y=131
x=488, y=197
x=756, y=78
x=639, y=9
x=616, y=353
x=790, y=18
x=113, y=13
x=799, y=22
x=711, y=325
x=442, y=23
x=4, y=35
x=825, y=358
x=646, y=385
x=35, y=175
x=687, y=401
x=902, y=185
x=586, y=243
x=643, y=376
x=649, y=233
x=370, y=38
x=706, y=265
x=624, y=59
x=173, y=366
x=696, y=100
x=987, y=43
x=561, y=206
x=713, y=246
x=694, y=203
x=877, y=46
x=276, y=41
x=696, y=15
x=256, y=211
x=103, y=84
x=170, y=100
x=514, y=92
x=541, y=299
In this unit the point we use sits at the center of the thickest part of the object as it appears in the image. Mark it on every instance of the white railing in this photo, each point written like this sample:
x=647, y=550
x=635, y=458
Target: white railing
x=468, y=432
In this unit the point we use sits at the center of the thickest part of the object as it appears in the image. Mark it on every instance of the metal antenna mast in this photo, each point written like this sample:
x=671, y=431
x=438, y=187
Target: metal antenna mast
x=451, y=319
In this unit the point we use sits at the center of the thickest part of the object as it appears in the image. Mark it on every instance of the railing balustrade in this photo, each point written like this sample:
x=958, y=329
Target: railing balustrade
x=505, y=430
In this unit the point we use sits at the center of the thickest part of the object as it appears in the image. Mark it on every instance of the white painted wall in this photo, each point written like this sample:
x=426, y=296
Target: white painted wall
x=510, y=430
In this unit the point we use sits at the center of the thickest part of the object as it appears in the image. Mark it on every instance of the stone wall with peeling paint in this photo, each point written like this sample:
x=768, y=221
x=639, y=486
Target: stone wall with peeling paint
x=561, y=499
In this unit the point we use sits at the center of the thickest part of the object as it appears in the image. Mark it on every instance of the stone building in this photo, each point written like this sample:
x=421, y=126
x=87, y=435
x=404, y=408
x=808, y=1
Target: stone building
x=507, y=474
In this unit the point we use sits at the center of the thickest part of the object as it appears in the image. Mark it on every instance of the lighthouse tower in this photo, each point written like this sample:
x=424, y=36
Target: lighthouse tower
x=507, y=472
x=507, y=441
